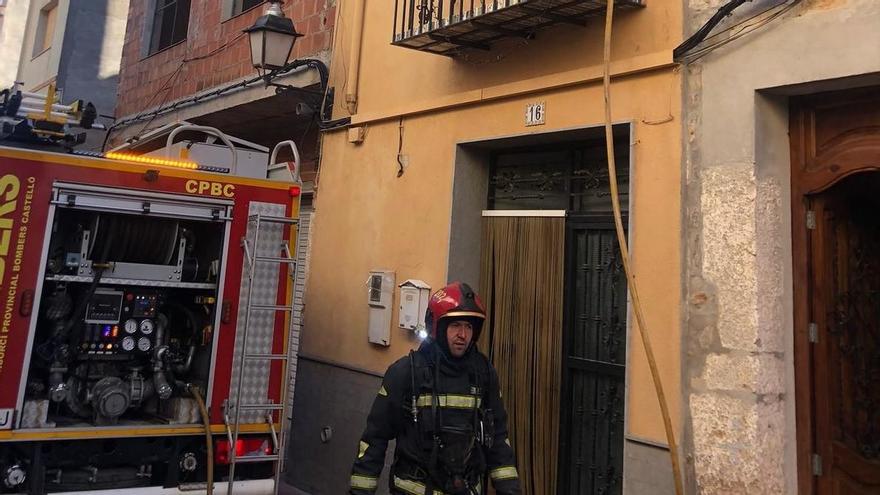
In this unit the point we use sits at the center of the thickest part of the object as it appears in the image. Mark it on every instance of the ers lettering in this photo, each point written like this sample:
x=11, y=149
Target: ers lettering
x=212, y=188
x=9, y=187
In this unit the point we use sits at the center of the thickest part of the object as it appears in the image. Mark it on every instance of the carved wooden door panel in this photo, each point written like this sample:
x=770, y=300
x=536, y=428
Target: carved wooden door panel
x=845, y=296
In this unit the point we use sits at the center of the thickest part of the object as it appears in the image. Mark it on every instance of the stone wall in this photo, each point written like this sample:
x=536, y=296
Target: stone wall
x=738, y=341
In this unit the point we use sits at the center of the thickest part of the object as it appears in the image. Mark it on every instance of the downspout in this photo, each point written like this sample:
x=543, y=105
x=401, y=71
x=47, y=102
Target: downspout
x=354, y=63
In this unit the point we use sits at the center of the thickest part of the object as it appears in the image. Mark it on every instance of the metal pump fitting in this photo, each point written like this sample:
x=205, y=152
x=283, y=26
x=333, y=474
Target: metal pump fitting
x=188, y=462
x=14, y=476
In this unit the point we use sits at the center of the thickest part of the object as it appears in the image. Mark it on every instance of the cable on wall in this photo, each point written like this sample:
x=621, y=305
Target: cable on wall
x=400, y=164
x=704, y=31
x=738, y=30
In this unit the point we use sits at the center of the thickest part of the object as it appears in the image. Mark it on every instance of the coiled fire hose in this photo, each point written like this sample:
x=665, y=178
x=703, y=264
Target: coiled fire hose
x=624, y=253
x=209, y=444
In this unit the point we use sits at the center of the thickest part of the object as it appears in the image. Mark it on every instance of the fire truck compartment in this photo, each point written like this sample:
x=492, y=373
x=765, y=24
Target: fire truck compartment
x=128, y=308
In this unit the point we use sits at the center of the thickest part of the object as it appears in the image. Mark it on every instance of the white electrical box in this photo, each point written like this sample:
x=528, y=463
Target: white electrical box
x=414, y=296
x=380, y=293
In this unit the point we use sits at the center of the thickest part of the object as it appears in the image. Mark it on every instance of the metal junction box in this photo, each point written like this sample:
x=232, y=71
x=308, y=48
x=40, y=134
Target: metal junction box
x=414, y=296
x=380, y=296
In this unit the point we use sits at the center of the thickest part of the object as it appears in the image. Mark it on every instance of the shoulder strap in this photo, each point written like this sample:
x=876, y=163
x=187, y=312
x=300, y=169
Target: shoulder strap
x=482, y=368
x=414, y=392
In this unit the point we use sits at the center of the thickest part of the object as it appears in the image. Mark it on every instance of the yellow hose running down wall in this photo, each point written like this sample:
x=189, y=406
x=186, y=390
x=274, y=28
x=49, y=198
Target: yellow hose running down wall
x=624, y=251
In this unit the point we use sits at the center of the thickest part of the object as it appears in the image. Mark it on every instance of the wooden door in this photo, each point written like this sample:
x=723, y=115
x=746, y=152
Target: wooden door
x=845, y=306
x=835, y=160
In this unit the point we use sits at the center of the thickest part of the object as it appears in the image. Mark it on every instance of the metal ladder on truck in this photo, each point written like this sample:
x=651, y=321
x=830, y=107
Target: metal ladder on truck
x=232, y=428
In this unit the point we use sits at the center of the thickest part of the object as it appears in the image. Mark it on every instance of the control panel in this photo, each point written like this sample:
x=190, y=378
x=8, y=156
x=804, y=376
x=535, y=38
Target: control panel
x=119, y=323
x=104, y=306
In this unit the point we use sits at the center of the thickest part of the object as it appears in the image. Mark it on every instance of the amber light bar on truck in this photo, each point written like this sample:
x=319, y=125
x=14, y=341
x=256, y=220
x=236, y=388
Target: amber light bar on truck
x=152, y=160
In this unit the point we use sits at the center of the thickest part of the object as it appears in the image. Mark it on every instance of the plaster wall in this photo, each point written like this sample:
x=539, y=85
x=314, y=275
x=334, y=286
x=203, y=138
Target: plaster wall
x=738, y=369
x=646, y=469
x=37, y=70
x=470, y=190
x=393, y=79
x=92, y=51
x=83, y=60
x=328, y=398
x=367, y=217
x=436, y=114
x=12, y=31
x=90, y=56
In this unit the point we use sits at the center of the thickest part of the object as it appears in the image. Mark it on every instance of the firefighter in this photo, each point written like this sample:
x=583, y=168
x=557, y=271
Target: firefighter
x=443, y=407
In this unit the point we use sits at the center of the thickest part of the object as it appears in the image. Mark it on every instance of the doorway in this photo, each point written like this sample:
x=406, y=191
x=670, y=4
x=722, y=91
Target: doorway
x=594, y=359
x=835, y=143
x=556, y=299
x=845, y=304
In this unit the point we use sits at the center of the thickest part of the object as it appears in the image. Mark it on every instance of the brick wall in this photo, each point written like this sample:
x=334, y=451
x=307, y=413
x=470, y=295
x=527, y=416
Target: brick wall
x=213, y=53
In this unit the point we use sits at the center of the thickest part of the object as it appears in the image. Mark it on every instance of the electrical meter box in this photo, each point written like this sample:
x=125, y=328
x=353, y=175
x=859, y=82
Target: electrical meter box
x=380, y=293
x=414, y=296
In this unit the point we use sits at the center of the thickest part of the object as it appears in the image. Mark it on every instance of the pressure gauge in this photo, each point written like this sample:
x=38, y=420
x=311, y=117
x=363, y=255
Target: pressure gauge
x=147, y=327
x=128, y=343
x=144, y=344
x=131, y=326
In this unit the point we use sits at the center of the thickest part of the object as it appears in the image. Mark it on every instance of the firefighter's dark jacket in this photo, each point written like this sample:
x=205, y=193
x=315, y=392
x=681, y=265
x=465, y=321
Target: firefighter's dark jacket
x=463, y=385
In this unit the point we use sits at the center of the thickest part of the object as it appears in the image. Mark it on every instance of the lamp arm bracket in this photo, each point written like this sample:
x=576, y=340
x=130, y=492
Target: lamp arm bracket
x=323, y=74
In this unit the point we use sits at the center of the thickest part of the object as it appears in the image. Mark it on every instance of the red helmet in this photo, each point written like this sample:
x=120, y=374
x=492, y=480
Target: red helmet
x=455, y=301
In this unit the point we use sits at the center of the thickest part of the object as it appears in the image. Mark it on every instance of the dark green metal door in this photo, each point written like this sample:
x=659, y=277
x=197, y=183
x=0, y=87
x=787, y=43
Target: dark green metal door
x=594, y=353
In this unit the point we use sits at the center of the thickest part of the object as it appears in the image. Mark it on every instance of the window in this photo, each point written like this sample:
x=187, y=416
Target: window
x=232, y=8
x=569, y=177
x=170, y=23
x=45, y=28
x=240, y=6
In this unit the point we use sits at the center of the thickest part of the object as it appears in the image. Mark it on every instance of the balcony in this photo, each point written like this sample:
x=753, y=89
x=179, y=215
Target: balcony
x=452, y=27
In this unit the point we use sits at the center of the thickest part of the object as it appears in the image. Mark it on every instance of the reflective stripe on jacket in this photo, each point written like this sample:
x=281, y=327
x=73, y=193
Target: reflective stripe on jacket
x=456, y=401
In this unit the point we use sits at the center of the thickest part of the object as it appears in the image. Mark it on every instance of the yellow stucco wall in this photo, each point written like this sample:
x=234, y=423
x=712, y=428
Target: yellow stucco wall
x=367, y=218
x=404, y=76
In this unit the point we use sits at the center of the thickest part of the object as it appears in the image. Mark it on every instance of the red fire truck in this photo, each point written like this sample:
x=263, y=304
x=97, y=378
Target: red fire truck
x=145, y=314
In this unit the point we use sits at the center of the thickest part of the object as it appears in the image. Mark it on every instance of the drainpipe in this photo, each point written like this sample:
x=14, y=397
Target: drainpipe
x=354, y=64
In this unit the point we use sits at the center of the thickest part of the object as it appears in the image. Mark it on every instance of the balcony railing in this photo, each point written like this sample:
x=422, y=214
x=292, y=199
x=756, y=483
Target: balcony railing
x=451, y=27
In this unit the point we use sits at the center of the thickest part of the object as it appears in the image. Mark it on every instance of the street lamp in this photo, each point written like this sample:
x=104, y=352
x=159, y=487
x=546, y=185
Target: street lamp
x=272, y=37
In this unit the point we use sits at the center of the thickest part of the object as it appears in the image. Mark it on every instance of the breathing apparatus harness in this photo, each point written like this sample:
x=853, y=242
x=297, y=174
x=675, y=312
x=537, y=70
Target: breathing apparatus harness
x=450, y=467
